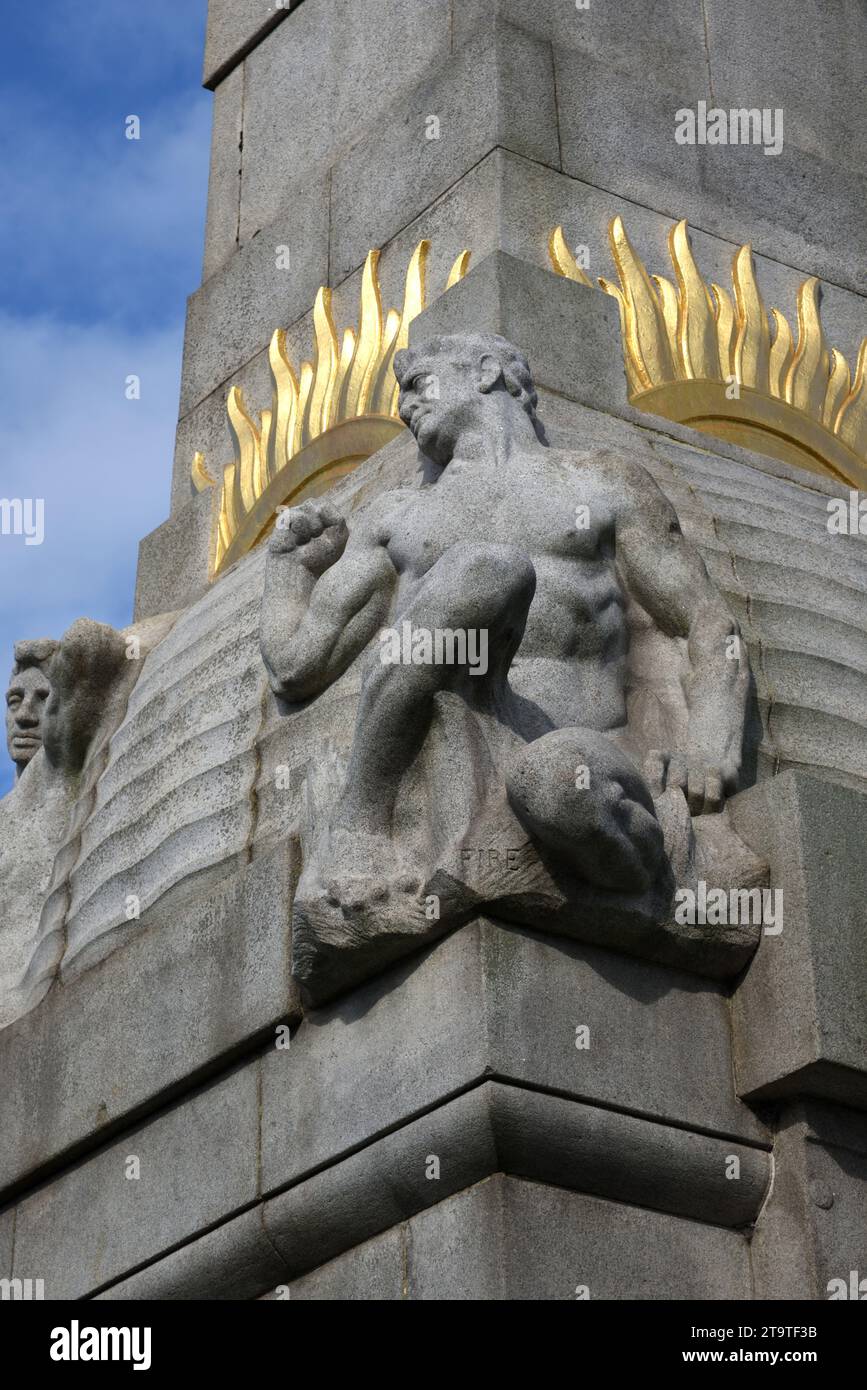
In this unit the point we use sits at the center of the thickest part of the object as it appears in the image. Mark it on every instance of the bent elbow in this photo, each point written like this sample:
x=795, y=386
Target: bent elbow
x=289, y=680
x=294, y=686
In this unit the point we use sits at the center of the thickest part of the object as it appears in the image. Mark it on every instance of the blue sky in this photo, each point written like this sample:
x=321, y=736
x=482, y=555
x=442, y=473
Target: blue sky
x=100, y=244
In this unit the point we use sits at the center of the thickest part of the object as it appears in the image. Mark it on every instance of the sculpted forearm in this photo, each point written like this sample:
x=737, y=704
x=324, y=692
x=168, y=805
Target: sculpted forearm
x=716, y=688
x=324, y=644
x=325, y=597
x=670, y=580
x=288, y=587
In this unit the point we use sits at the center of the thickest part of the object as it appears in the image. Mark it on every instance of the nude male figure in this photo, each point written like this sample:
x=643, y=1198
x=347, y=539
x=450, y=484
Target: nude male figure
x=544, y=550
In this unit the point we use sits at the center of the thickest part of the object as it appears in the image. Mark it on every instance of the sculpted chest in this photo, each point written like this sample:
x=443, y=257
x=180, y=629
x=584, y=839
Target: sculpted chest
x=538, y=510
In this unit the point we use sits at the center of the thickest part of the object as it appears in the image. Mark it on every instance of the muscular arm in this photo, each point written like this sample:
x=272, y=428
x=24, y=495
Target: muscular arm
x=327, y=592
x=669, y=580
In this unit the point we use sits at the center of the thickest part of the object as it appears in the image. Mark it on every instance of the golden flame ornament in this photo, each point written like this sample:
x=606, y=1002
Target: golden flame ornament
x=723, y=363
x=337, y=410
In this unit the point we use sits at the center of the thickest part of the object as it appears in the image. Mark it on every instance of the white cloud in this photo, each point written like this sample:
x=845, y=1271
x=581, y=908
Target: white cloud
x=100, y=243
x=101, y=462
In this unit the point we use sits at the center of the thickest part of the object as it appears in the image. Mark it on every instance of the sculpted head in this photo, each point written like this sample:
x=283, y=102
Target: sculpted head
x=26, y=698
x=463, y=382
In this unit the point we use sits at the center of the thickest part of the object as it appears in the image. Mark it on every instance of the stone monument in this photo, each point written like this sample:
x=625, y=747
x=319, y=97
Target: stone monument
x=459, y=860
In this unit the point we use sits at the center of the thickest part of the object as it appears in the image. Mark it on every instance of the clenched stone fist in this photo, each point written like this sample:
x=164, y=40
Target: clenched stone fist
x=315, y=532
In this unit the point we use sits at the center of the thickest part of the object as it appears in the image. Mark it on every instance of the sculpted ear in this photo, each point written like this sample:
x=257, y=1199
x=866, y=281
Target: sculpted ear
x=490, y=372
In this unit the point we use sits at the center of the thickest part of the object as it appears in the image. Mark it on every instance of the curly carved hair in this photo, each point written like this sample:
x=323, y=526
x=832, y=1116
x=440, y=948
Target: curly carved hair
x=35, y=651
x=468, y=348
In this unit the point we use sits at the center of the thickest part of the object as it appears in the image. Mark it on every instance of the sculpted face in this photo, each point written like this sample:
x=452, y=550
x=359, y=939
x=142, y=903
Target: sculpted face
x=439, y=397
x=25, y=707
x=459, y=389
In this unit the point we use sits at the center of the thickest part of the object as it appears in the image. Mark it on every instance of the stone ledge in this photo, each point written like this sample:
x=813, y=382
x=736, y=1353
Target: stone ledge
x=180, y=999
x=494, y=1001
x=491, y=1129
x=236, y=1261
x=798, y=1015
x=506, y=1239
x=235, y=27
x=197, y=1165
x=814, y=1226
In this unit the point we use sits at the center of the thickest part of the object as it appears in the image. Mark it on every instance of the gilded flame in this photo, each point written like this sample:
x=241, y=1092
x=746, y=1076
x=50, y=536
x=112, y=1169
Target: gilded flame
x=349, y=378
x=796, y=397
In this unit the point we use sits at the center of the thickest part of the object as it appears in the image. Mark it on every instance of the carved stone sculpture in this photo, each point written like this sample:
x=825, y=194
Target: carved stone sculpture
x=68, y=697
x=552, y=685
x=26, y=698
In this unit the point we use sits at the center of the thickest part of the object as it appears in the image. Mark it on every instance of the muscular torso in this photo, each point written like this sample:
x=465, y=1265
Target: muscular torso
x=572, y=658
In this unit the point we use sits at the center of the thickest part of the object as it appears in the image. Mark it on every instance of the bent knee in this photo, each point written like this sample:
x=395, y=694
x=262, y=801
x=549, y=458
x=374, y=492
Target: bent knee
x=496, y=575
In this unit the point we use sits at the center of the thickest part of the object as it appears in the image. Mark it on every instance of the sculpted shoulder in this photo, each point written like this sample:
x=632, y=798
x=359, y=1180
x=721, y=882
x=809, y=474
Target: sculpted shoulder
x=620, y=474
x=374, y=522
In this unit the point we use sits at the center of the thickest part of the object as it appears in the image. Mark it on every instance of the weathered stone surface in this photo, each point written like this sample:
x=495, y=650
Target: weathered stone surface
x=236, y=1261
x=234, y=27
x=224, y=183
x=594, y=1150
x=782, y=71
x=173, y=560
x=496, y=1127
x=208, y=977
x=205, y=429
x=798, y=1015
x=570, y=333
x=331, y=1216
x=33, y=817
x=332, y=71
x=813, y=1229
x=7, y=1241
x=796, y=206
x=635, y=1070
x=506, y=1003
x=508, y=1239
x=93, y=1223
x=371, y=1271
x=386, y=1182
x=621, y=33
x=261, y=288
x=498, y=91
